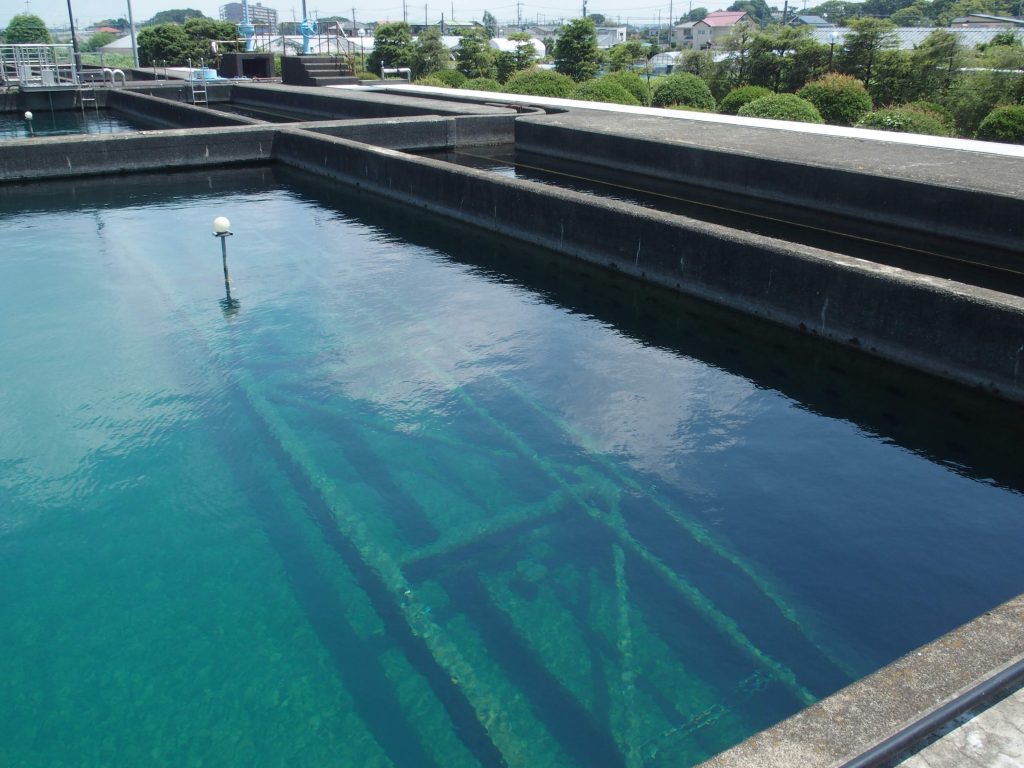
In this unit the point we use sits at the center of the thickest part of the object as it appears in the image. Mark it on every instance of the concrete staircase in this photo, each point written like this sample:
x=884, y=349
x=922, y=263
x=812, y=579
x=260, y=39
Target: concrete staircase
x=317, y=70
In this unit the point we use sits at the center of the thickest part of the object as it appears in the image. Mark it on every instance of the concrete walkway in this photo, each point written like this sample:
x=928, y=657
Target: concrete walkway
x=992, y=738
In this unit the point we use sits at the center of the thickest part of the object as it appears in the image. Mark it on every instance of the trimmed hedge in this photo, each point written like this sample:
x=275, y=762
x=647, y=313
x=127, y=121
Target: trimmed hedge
x=483, y=84
x=1004, y=124
x=840, y=99
x=904, y=120
x=738, y=97
x=684, y=89
x=782, y=106
x=541, y=82
x=632, y=82
x=606, y=91
x=937, y=111
x=451, y=77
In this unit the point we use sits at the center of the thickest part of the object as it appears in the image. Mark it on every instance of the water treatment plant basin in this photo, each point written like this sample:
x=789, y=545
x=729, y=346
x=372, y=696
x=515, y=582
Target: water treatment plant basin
x=423, y=496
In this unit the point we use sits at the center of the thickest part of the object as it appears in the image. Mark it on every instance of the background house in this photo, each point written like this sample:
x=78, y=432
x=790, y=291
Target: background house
x=709, y=31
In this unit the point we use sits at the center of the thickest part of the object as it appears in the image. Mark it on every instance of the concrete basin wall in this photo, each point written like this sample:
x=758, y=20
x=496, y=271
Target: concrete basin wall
x=932, y=191
x=332, y=102
x=423, y=133
x=64, y=157
x=162, y=112
x=973, y=336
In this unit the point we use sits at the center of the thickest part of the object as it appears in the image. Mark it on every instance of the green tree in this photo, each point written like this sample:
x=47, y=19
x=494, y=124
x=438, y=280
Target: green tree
x=490, y=24
x=26, y=28
x=576, y=52
x=474, y=57
x=392, y=45
x=838, y=12
x=429, y=53
x=163, y=43
x=758, y=10
x=598, y=19
x=623, y=55
x=862, y=46
x=783, y=58
x=175, y=16
x=178, y=43
x=735, y=70
x=121, y=23
x=523, y=56
x=912, y=16
x=697, y=14
x=98, y=40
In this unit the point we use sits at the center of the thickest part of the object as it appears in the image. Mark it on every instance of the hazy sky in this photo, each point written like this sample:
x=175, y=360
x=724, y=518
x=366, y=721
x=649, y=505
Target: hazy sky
x=55, y=12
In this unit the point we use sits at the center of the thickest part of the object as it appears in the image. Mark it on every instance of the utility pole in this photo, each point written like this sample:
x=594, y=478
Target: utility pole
x=584, y=9
x=671, y=23
x=405, y=13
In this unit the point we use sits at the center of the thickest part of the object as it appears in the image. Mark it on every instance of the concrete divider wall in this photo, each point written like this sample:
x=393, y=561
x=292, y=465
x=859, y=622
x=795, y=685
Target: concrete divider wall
x=62, y=156
x=173, y=114
x=421, y=133
x=943, y=209
x=334, y=102
x=971, y=336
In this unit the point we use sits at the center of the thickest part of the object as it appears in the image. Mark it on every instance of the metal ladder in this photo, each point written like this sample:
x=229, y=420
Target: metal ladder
x=87, y=94
x=198, y=86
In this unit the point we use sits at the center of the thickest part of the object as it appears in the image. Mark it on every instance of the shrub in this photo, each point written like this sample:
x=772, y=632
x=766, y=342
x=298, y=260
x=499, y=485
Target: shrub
x=937, y=111
x=633, y=83
x=541, y=82
x=433, y=81
x=840, y=99
x=738, y=97
x=685, y=89
x=363, y=74
x=483, y=84
x=1004, y=124
x=451, y=78
x=904, y=120
x=606, y=91
x=782, y=106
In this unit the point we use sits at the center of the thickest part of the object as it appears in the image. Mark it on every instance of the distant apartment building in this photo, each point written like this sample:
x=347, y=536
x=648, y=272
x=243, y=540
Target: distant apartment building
x=262, y=18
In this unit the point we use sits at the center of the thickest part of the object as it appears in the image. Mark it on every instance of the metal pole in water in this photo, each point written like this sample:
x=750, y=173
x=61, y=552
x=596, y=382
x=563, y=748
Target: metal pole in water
x=28, y=119
x=222, y=230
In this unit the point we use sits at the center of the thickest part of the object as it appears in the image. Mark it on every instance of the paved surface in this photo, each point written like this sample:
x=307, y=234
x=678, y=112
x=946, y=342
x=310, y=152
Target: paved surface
x=992, y=739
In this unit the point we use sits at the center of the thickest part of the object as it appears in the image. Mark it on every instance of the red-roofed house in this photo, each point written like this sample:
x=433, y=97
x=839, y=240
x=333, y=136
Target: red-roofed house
x=708, y=32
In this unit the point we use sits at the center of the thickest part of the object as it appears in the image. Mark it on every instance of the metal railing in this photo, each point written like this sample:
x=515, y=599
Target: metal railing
x=30, y=66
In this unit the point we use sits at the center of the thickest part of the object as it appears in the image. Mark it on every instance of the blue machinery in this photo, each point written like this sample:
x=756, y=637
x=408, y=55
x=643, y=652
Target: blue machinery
x=246, y=29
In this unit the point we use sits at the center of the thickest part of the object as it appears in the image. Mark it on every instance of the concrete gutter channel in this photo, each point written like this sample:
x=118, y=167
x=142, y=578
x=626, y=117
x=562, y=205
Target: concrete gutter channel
x=969, y=335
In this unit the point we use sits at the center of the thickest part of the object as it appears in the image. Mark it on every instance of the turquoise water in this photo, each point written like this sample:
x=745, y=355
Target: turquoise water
x=423, y=497
x=62, y=123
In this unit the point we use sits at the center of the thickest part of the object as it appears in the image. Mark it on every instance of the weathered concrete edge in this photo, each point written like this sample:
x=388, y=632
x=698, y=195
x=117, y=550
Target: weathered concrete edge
x=847, y=724
x=962, y=214
x=421, y=133
x=171, y=114
x=965, y=334
x=63, y=157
